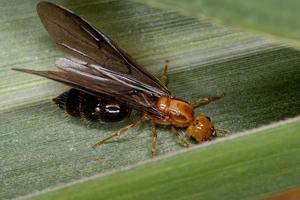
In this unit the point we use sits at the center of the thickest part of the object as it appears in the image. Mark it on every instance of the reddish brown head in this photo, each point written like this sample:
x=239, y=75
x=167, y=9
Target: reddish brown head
x=201, y=129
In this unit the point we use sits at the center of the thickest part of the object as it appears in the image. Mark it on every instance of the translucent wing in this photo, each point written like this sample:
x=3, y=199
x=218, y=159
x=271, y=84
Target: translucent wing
x=80, y=41
x=78, y=76
x=95, y=64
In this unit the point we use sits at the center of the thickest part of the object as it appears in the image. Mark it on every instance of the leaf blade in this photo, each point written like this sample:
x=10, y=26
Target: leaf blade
x=277, y=20
x=39, y=148
x=241, y=168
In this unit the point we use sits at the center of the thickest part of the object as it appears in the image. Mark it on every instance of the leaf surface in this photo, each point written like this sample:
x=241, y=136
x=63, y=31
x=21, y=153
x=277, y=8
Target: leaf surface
x=39, y=148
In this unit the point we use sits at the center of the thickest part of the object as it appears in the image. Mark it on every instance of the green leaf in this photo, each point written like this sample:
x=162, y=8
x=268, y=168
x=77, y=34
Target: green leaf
x=39, y=148
x=248, y=167
x=273, y=19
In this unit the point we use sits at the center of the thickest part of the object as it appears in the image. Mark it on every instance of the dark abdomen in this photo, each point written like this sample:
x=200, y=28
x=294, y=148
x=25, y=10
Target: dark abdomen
x=80, y=104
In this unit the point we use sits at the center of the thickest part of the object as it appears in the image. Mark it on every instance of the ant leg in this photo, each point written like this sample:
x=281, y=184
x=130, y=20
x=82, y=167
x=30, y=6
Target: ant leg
x=205, y=100
x=66, y=114
x=154, y=139
x=220, y=133
x=182, y=142
x=84, y=120
x=164, y=77
x=53, y=104
x=120, y=131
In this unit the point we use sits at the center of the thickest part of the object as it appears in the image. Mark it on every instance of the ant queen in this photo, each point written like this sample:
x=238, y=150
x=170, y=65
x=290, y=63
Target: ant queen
x=107, y=84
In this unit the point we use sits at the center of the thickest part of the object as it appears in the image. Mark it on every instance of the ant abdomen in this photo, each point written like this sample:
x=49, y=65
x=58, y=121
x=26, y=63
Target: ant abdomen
x=81, y=104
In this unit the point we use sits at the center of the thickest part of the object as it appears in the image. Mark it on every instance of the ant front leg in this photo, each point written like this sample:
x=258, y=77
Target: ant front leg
x=205, y=100
x=182, y=142
x=164, y=77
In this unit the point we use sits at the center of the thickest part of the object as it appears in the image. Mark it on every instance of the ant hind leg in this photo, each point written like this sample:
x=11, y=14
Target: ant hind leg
x=120, y=131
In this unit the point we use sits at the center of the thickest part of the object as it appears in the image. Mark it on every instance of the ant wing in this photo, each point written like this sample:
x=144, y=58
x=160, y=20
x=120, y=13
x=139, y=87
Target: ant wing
x=82, y=42
x=95, y=64
x=93, y=81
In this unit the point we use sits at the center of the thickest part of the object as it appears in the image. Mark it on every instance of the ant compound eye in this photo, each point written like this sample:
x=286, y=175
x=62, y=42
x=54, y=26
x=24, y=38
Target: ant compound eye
x=208, y=118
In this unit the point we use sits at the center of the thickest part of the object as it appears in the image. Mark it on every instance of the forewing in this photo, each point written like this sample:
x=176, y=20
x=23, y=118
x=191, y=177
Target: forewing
x=82, y=42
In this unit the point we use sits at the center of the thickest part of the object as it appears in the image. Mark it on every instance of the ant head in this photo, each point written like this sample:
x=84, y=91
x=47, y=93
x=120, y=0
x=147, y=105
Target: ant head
x=201, y=129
